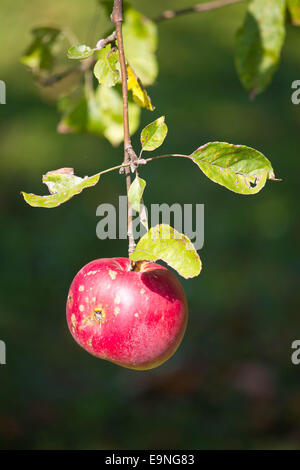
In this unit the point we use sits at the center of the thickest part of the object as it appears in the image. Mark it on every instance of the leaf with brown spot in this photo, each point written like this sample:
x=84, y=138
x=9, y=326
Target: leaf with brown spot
x=239, y=168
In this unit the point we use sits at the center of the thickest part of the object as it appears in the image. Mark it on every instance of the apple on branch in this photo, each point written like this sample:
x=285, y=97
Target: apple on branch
x=135, y=318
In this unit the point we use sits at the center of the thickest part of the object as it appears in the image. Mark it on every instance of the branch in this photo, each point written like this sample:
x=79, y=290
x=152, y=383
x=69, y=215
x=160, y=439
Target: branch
x=104, y=42
x=169, y=14
x=130, y=157
x=52, y=79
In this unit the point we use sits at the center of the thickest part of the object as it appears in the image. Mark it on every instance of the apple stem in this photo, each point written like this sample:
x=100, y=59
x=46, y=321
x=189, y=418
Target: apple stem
x=129, y=154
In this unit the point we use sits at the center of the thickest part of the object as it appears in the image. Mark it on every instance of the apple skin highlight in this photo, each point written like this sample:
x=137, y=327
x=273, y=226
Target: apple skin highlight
x=133, y=318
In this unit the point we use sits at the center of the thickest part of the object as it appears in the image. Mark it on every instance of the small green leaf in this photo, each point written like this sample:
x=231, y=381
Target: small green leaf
x=81, y=114
x=135, y=193
x=135, y=197
x=60, y=180
x=62, y=185
x=139, y=93
x=241, y=169
x=99, y=113
x=80, y=52
x=294, y=10
x=174, y=248
x=38, y=55
x=154, y=134
x=111, y=107
x=140, y=42
x=259, y=43
x=75, y=114
x=106, y=69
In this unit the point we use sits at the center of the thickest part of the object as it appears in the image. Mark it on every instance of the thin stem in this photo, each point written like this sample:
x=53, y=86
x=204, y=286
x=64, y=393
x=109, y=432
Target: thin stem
x=49, y=81
x=52, y=79
x=117, y=19
x=109, y=40
x=169, y=14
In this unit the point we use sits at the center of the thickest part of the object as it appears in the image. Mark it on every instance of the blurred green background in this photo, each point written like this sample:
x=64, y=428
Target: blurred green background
x=231, y=384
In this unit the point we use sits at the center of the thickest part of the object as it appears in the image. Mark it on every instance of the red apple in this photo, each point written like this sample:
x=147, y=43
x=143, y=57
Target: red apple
x=134, y=318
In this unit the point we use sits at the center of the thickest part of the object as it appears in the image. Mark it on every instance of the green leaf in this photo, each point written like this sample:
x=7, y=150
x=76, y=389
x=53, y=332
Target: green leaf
x=99, y=113
x=106, y=69
x=241, y=169
x=139, y=93
x=39, y=55
x=294, y=10
x=81, y=114
x=165, y=243
x=60, y=180
x=62, y=185
x=259, y=43
x=135, y=193
x=140, y=42
x=75, y=116
x=154, y=134
x=135, y=197
x=80, y=52
x=111, y=107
